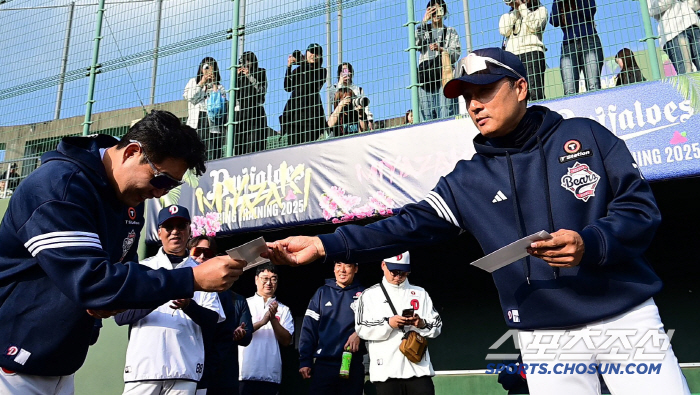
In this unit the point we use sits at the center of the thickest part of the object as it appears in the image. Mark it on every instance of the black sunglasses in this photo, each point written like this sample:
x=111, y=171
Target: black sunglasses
x=207, y=252
x=160, y=180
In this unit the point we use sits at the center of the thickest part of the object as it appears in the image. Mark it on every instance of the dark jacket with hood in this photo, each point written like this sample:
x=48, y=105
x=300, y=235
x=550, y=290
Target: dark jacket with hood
x=66, y=245
x=328, y=323
x=303, y=118
x=569, y=174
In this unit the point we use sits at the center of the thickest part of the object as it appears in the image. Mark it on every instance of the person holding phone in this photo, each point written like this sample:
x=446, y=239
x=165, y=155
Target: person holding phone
x=522, y=27
x=345, y=80
x=390, y=370
x=197, y=91
x=433, y=38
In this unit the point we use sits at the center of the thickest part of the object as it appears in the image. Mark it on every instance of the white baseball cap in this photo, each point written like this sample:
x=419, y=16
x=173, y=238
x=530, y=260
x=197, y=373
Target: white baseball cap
x=399, y=262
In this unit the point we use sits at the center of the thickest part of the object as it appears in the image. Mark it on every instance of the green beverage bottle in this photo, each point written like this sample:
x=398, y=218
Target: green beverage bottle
x=345, y=364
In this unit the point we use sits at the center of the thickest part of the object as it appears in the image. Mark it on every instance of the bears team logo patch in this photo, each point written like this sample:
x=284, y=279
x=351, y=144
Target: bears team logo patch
x=581, y=181
x=127, y=243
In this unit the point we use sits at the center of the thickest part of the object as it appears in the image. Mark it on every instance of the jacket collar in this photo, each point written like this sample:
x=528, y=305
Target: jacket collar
x=330, y=282
x=550, y=122
x=388, y=285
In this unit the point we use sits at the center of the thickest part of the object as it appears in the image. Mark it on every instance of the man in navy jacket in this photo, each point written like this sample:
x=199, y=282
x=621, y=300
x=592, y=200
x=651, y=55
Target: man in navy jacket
x=68, y=246
x=532, y=171
x=328, y=330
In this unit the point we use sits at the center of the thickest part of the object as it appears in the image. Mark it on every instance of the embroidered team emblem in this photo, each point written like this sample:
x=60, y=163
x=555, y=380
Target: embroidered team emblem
x=399, y=257
x=132, y=213
x=513, y=315
x=173, y=210
x=12, y=350
x=127, y=243
x=415, y=304
x=581, y=181
x=357, y=295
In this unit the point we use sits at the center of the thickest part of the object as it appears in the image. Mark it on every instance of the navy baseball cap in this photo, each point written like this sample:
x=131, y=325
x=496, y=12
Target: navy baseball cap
x=400, y=262
x=482, y=67
x=171, y=212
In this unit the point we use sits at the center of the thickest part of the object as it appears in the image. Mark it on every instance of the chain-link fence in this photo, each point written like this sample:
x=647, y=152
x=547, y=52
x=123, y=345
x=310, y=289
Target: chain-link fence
x=252, y=75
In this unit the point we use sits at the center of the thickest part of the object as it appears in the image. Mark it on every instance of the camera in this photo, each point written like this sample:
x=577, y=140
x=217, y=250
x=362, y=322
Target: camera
x=360, y=101
x=299, y=56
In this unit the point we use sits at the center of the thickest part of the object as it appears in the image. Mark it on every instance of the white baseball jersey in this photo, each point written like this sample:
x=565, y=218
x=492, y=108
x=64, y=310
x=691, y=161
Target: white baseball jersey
x=167, y=344
x=383, y=341
x=261, y=359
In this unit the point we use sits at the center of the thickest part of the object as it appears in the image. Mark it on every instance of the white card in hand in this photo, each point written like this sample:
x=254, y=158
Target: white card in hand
x=250, y=252
x=510, y=253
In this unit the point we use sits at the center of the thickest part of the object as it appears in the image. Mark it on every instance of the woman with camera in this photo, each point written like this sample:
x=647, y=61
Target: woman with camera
x=433, y=39
x=522, y=28
x=581, y=48
x=208, y=118
x=250, y=111
x=303, y=118
x=349, y=115
x=345, y=80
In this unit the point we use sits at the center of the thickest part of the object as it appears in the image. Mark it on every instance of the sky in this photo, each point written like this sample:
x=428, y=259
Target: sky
x=374, y=40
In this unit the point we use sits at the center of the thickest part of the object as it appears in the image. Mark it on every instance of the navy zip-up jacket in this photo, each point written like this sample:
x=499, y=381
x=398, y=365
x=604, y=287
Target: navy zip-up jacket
x=571, y=174
x=66, y=245
x=328, y=323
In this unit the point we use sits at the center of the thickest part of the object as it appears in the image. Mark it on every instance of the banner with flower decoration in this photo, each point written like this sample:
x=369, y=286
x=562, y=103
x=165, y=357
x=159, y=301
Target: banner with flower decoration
x=367, y=175
x=373, y=174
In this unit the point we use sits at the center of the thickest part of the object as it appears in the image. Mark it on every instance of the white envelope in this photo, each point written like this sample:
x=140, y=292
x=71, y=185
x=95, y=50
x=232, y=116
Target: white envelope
x=250, y=252
x=510, y=253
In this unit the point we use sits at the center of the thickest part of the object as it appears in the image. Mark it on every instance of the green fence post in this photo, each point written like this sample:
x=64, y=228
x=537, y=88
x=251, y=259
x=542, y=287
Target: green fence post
x=411, y=24
x=232, y=80
x=93, y=68
x=650, y=38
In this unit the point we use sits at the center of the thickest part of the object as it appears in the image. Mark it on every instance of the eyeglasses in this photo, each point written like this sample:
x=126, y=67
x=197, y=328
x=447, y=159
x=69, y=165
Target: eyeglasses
x=398, y=273
x=199, y=251
x=160, y=180
x=474, y=63
x=272, y=280
x=180, y=225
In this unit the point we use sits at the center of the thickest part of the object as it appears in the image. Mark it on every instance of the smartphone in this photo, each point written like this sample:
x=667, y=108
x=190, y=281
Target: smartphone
x=346, y=72
x=408, y=313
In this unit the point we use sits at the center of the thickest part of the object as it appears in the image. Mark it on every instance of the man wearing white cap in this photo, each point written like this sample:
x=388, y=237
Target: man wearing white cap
x=384, y=313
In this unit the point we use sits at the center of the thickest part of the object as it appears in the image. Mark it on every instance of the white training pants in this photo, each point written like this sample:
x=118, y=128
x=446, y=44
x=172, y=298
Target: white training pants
x=27, y=384
x=632, y=352
x=160, y=387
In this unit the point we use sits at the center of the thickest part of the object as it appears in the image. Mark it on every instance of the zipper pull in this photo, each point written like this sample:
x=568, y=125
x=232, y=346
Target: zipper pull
x=528, y=279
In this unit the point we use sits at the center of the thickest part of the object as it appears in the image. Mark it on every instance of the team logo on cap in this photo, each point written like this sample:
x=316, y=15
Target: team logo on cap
x=12, y=350
x=173, y=210
x=132, y=213
x=399, y=257
x=581, y=181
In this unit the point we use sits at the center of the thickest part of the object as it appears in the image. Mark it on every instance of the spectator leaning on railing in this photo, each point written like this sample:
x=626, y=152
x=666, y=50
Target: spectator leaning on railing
x=679, y=32
x=345, y=80
x=523, y=27
x=581, y=48
x=433, y=39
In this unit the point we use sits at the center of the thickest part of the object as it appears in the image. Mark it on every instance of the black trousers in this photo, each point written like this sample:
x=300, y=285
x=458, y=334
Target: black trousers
x=535, y=65
x=250, y=387
x=213, y=141
x=325, y=378
x=413, y=386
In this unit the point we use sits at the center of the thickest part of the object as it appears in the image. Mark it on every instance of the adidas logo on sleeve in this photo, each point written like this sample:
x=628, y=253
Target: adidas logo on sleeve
x=499, y=197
